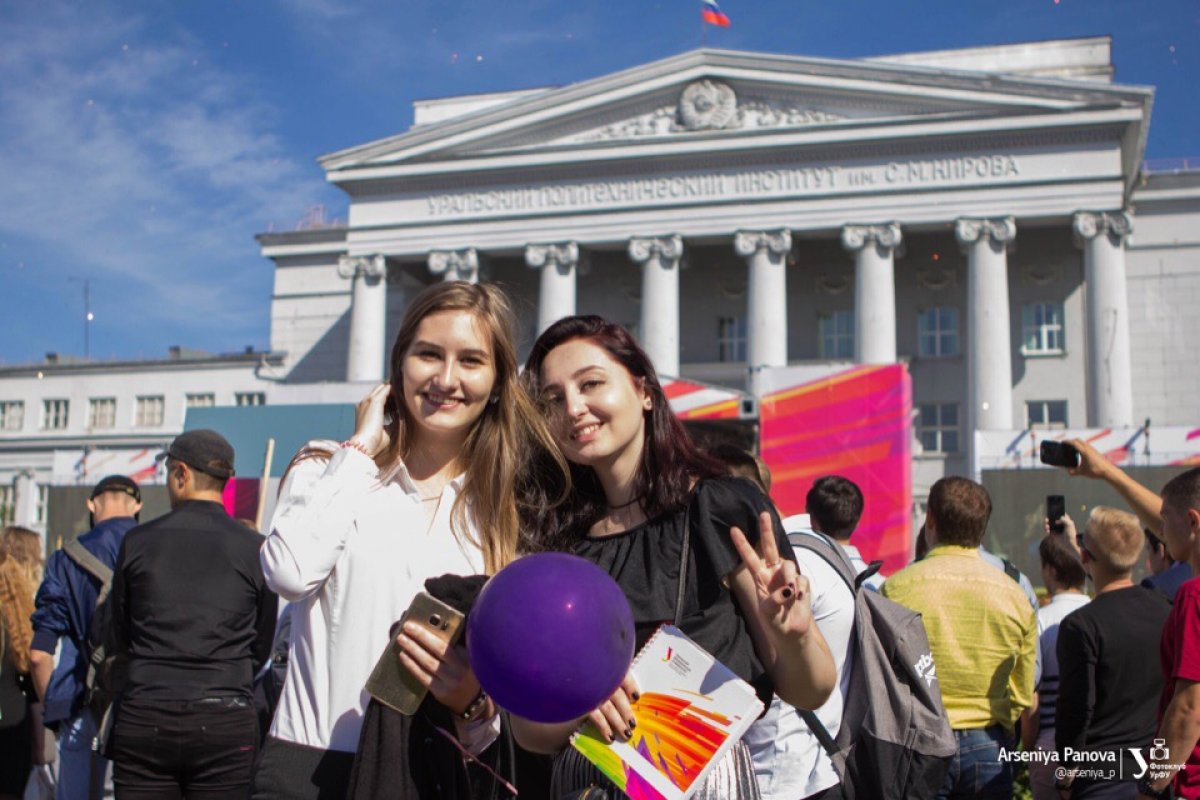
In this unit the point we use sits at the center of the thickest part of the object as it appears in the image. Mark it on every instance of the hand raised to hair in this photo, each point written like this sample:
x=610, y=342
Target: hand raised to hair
x=783, y=602
x=369, y=429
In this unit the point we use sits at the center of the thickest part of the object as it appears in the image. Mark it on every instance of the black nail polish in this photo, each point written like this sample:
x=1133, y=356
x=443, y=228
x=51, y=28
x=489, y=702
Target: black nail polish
x=628, y=733
x=637, y=696
x=632, y=723
x=787, y=593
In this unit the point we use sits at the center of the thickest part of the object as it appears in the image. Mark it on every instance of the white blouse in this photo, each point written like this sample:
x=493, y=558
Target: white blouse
x=350, y=548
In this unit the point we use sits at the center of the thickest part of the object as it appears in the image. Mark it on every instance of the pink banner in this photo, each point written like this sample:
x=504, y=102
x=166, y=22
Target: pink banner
x=857, y=424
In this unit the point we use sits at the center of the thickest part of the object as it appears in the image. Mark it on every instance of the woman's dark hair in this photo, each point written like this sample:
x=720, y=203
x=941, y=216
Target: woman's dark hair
x=671, y=462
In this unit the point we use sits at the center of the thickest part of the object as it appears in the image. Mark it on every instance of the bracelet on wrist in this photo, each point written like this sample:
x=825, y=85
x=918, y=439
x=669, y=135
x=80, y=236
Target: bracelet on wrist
x=350, y=444
x=475, y=708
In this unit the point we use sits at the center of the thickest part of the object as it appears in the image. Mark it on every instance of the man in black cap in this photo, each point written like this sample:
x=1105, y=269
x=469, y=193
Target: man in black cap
x=65, y=603
x=192, y=612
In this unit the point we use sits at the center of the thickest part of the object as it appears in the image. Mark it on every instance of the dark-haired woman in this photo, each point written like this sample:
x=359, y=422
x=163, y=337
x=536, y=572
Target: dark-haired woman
x=640, y=487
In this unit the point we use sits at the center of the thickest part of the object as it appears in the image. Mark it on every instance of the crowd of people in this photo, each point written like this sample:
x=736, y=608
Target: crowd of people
x=150, y=650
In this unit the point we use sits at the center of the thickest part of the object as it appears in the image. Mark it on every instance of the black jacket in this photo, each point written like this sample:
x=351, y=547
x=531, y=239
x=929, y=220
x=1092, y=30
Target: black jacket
x=191, y=608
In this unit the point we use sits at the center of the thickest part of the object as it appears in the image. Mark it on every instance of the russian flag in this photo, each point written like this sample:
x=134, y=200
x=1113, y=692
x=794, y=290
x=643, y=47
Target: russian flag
x=712, y=13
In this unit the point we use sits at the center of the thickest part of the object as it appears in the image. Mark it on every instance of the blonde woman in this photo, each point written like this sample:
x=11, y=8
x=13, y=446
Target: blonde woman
x=16, y=692
x=424, y=487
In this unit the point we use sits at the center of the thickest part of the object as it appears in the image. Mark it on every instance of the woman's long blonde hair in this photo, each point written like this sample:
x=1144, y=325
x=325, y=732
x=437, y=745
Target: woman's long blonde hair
x=26, y=547
x=16, y=608
x=509, y=450
x=507, y=438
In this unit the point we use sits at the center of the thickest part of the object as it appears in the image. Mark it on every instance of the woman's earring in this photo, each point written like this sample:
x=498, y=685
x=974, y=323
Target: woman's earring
x=493, y=400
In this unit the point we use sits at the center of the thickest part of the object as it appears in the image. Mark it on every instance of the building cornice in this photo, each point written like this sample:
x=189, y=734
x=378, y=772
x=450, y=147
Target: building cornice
x=48, y=370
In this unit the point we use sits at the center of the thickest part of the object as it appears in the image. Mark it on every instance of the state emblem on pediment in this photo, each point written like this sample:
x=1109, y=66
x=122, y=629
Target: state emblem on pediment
x=711, y=105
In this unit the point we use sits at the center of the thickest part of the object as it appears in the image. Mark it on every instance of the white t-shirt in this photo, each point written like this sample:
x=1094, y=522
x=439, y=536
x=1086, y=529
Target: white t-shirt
x=789, y=762
x=1048, y=618
x=350, y=548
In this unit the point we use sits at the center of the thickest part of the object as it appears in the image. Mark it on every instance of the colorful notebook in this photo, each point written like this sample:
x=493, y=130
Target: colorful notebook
x=691, y=711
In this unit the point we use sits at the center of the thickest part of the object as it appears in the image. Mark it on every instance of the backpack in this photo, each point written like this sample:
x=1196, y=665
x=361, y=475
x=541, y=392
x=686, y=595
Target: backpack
x=106, y=669
x=895, y=741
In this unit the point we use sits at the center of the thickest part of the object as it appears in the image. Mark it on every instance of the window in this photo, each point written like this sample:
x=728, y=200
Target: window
x=1042, y=329
x=937, y=427
x=8, y=504
x=102, y=412
x=937, y=332
x=250, y=398
x=205, y=400
x=12, y=415
x=43, y=502
x=835, y=332
x=1046, y=414
x=731, y=338
x=149, y=411
x=54, y=414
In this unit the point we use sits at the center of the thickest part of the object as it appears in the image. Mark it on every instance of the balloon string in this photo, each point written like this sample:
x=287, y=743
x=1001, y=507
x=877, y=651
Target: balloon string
x=471, y=757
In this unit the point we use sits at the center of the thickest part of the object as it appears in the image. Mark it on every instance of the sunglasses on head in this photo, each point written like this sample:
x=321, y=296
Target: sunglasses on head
x=1079, y=542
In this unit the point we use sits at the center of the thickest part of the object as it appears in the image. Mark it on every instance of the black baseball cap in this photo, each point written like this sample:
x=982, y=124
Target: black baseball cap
x=203, y=450
x=117, y=483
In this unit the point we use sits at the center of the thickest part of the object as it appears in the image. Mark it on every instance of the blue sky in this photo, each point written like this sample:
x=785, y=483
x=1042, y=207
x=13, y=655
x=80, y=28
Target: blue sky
x=144, y=143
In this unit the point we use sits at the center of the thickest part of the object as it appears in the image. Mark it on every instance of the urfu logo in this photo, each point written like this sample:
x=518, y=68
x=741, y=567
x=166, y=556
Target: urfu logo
x=925, y=669
x=1158, y=753
x=667, y=657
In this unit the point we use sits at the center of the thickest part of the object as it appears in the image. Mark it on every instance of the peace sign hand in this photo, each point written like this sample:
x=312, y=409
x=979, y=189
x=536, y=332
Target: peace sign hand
x=784, y=605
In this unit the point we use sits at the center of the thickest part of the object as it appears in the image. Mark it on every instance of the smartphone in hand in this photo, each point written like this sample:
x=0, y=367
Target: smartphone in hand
x=390, y=683
x=1059, y=454
x=1056, y=509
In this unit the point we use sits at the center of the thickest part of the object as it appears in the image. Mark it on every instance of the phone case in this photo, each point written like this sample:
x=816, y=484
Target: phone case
x=390, y=683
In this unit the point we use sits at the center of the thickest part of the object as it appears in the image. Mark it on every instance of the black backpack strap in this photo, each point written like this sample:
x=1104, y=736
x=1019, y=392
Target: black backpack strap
x=819, y=730
x=1011, y=570
x=84, y=558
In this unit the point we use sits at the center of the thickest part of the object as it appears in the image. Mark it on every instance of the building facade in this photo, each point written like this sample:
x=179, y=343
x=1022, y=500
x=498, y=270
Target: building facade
x=982, y=215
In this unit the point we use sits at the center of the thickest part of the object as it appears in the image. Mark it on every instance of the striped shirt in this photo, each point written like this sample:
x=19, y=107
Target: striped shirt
x=1048, y=618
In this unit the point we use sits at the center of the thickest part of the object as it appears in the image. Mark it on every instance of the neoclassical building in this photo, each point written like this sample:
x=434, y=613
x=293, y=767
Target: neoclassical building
x=983, y=216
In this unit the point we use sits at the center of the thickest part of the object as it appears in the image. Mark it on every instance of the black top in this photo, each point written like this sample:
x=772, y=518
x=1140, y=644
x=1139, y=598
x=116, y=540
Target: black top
x=1109, y=675
x=14, y=704
x=191, y=606
x=644, y=561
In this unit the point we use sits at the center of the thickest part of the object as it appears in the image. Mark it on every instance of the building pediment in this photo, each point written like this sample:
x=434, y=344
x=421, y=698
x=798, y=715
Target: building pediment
x=727, y=99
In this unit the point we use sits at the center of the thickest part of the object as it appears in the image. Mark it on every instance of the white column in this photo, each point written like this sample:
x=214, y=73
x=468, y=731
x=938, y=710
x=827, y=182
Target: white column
x=25, y=499
x=766, y=299
x=1110, y=375
x=989, y=340
x=659, y=258
x=874, y=248
x=556, y=293
x=455, y=265
x=368, y=316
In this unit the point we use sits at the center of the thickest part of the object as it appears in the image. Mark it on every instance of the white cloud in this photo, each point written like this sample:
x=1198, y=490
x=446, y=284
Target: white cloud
x=128, y=156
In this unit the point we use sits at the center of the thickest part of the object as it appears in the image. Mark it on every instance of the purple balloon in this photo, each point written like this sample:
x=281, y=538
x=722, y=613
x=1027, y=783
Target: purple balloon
x=550, y=637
